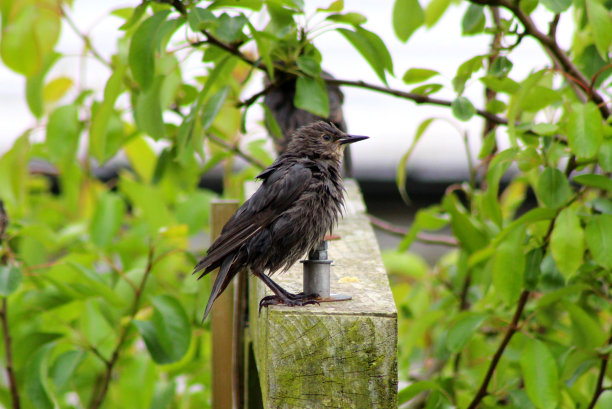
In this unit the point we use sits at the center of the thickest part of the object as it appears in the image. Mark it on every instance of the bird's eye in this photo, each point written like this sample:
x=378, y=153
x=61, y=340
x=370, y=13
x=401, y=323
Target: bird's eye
x=326, y=137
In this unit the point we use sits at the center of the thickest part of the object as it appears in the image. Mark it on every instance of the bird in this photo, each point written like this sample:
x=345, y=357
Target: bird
x=299, y=200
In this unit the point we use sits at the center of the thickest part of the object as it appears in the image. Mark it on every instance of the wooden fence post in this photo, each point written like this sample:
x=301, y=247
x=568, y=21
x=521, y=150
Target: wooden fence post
x=341, y=354
x=222, y=318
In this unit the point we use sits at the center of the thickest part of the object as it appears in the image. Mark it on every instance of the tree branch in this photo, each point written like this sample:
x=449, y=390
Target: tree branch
x=599, y=389
x=512, y=328
x=110, y=363
x=417, y=98
x=422, y=237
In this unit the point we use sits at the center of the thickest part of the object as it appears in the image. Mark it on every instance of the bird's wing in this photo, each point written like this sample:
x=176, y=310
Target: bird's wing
x=281, y=188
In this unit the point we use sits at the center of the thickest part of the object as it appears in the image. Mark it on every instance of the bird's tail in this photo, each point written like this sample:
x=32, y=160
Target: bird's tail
x=225, y=275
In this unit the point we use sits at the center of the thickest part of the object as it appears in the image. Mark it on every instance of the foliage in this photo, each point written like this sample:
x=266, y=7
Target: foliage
x=93, y=276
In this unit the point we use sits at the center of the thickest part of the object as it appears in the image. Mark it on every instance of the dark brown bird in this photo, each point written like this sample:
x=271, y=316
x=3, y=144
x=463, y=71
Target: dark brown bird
x=299, y=201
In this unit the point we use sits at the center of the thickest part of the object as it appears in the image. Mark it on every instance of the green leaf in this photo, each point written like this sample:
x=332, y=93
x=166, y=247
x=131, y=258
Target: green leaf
x=35, y=382
x=553, y=188
x=500, y=84
x=335, y=6
x=355, y=19
x=557, y=6
x=597, y=181
x=309, y=65
x=213, y=106
x=465, y=72
x=142, y=157
x=371, y=47
x=509, y=266
x=425, y=219
x=55, y=89
x=254, y=5
x=434, y=11
x=64, y=367
x=102, y=120
x=63, y=130
x=35, y=85
x=168, y=335
x=473, y=21
x=601, y=26
x=142, y=49
x=471, y=236
x=201, y=19
x=533, y=260
x=567, y=242
x=540, y=97
x=29, y=34
x=540, y=374
x=500, y=67
x=416, y=75
x=148, y=111
x=426, y=89
x=107, y=219
x=311, y=96
x=462, y=330
x=408, y=16
x=585, y=130
x=415, y=388
x=462, y=108
x=586, y=331
x=10, y=278
x=400, y=174
x=605, y=155
x=598, y=234
x=230, y=28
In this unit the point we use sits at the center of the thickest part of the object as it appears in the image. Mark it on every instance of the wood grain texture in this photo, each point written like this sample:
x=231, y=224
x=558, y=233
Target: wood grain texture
x=341, y=354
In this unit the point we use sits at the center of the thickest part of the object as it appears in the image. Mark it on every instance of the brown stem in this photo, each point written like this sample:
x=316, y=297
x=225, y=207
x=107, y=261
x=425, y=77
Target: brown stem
x=416, y=98
x=512, y=328
x=110, y=363
x=10, y=373
x=422, y=237
x=599, y=389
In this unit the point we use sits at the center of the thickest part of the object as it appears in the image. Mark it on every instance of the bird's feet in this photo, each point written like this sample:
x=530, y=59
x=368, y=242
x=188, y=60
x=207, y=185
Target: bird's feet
x=291, y=300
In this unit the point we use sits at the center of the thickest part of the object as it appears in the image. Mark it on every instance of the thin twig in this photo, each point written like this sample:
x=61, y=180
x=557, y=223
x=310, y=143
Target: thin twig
x=512, y=328
x=422, y=237
x=85, y=39
x=110, y=363
x=10, y=373
x=599, y=389
x=237, y=151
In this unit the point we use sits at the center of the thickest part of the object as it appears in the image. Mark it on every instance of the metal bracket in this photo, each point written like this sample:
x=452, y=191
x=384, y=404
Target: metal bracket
x=317, y=275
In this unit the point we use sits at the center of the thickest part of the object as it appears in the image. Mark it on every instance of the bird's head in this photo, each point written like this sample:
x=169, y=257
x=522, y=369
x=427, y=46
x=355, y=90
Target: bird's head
x=321, y=140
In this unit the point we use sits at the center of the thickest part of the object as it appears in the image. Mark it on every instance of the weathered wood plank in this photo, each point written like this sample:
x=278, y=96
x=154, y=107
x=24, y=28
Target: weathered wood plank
x=222, y=316
x=341, y=354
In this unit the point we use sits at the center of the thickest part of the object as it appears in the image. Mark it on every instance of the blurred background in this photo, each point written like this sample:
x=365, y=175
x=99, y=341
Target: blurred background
x=438, y=160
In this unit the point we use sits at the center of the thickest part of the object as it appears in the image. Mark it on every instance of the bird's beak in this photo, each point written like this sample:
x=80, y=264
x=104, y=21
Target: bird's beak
x=352, y=139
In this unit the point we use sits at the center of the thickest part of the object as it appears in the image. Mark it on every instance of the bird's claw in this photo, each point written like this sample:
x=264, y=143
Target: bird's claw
x=294, y=300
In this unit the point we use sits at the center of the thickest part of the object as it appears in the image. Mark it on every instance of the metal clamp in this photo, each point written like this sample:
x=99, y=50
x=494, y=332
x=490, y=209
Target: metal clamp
x=317, y=275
